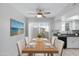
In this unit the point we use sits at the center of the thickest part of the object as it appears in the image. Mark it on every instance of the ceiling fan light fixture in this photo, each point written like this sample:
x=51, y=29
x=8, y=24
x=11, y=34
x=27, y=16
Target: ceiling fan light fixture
x=39, y=16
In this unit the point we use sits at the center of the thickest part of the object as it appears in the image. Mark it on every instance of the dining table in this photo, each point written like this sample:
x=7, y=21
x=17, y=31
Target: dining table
x=40, y=48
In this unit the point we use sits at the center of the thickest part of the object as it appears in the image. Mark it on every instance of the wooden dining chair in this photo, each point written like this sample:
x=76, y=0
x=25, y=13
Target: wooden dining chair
x=45, y=38
x=47, y=44
x=53, y=40
x=26, y=39
x=32, y=42
x=59, y=45
x=20, y=45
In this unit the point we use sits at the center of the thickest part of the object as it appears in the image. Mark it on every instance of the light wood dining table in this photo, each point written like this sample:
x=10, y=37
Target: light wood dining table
x=40, y=48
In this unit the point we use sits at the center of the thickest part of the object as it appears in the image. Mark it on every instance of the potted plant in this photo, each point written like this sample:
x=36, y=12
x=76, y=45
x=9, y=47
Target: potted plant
x=39, y=35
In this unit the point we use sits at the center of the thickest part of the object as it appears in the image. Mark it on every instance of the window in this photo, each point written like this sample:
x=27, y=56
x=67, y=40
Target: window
x=38, y=27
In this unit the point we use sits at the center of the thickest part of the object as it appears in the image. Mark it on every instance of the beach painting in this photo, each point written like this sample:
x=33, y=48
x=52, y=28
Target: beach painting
x=16, y=27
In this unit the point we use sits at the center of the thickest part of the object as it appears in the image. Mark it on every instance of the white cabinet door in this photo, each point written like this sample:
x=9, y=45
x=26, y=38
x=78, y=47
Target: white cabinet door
x=73, y=42
x=77, y=25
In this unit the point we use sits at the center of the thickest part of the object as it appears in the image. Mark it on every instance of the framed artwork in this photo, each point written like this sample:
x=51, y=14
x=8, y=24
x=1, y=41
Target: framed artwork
x=16, y=27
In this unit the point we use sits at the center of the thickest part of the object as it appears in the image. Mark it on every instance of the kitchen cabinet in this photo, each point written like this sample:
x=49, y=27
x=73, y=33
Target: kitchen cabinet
x=72, y=42
x=76, y=25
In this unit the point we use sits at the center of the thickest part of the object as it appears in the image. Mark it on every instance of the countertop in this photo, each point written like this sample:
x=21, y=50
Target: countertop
x=67, y=35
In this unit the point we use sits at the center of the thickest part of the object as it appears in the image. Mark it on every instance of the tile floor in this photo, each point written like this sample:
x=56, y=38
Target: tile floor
x=71, y=52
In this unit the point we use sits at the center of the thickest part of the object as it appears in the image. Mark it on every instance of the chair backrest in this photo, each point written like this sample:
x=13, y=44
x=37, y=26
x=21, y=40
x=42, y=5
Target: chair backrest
x=53, y=40
x=33, y=40
x=47, y=44
x=45, y=38
x=59, y=45
x=26, y=41
x=20, y=46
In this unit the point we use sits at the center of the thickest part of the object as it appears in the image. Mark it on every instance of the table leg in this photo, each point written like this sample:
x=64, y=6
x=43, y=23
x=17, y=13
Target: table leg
x=30, y=54
x=33, y=54
x=51, y=54
x=48, y=54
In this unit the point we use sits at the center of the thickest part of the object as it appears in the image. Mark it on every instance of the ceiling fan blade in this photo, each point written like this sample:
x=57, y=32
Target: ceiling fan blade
x=47, y=13
x=43, y=16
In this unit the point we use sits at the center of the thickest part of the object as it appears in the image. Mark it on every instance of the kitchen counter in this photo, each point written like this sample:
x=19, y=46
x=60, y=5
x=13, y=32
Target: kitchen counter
x=67, y=35
x=70, y=40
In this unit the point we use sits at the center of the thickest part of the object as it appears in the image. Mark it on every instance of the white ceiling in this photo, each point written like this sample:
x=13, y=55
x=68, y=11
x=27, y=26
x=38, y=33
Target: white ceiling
x=56, y=9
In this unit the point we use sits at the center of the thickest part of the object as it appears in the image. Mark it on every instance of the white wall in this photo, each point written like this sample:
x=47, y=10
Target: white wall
x=76, y=25
x=58, y=25
x=8, y=43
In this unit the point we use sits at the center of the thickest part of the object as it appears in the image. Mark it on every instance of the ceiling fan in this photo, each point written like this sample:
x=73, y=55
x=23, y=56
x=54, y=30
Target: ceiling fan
x=40, y=13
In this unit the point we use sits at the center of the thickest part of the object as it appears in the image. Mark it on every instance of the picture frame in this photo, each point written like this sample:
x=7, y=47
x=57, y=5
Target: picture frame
x=16, y=27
